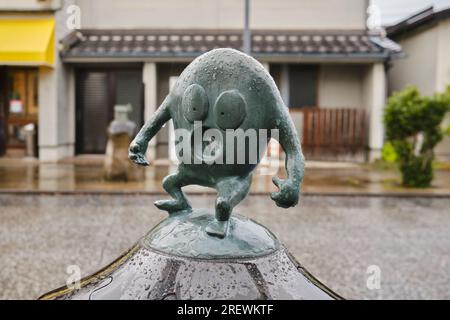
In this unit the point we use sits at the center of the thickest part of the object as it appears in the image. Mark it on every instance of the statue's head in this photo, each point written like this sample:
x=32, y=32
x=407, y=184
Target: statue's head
x=222, y=92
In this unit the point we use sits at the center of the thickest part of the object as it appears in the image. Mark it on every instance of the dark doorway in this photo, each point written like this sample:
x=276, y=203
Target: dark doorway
x=303, y=85
x=97, y=92
x=302, y=81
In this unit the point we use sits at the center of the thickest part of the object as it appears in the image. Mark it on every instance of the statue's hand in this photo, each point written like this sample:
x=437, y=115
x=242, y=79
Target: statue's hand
x=288, y=194
x=136, y=153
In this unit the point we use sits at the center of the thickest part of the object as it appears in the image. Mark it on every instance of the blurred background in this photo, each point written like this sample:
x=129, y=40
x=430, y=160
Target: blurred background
x=79, y=77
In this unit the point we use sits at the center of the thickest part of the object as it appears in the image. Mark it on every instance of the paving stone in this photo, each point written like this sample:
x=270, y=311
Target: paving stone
x=335, y=237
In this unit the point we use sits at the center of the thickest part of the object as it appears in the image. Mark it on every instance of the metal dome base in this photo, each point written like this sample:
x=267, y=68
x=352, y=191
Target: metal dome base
x=188, y=264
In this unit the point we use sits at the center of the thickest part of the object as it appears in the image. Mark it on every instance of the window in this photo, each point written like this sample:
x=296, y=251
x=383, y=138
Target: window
x=303, y=85
x=20, y=104
x=23, y=93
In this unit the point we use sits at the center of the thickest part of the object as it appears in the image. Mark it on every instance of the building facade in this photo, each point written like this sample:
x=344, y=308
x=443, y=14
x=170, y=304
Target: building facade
x=331, y=71
x=425, y=39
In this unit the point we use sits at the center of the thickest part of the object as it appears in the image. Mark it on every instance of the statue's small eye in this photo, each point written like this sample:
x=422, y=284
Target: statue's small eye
x=229, y=110
x=195, y=103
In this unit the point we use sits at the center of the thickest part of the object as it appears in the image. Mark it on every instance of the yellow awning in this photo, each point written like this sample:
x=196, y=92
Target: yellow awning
x=27, y=42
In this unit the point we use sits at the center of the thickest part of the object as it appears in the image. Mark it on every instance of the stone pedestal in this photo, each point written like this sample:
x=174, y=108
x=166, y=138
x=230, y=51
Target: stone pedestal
x=178, y=260
x=117, y=166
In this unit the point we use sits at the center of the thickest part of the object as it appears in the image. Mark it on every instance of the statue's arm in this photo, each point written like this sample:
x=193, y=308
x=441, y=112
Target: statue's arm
x=289, y=189
x=138, y=146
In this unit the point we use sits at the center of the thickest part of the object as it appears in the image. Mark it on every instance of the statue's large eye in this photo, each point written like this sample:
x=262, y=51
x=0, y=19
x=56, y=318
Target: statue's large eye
x=195, y=103
x=229, y=110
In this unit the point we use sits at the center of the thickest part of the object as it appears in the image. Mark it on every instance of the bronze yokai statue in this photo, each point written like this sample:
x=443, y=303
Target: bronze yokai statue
x=226, y=90
x=192, y=254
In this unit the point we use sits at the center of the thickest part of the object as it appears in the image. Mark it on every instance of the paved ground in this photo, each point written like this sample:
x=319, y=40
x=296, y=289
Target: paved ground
x=336, y=238
x=85, y=174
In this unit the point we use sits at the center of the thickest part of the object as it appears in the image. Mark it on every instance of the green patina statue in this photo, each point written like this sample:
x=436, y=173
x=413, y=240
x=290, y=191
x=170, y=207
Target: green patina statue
x=194, y=254
x=227, y=91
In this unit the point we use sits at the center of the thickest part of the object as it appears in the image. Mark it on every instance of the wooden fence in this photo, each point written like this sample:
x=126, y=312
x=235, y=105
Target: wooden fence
x=334, y=134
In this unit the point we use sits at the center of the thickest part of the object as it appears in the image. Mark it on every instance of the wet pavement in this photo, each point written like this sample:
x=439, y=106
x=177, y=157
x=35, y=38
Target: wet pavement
x=85, y=174
x=337, y=238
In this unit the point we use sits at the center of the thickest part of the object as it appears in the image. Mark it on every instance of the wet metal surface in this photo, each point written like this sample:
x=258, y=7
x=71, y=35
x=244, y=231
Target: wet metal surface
x=184, y=234
x=146, y=274
x=336, y=238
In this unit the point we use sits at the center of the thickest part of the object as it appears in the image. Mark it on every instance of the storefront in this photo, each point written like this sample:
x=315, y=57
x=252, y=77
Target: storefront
x=335, y=76
x=26, y=46
x=98, y=89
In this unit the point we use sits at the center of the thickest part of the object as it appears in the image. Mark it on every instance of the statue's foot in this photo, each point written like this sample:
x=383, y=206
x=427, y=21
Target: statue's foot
x=172, y=205
x=217, y=229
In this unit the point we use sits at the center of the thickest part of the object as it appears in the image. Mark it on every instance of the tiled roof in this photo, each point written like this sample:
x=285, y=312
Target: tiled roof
x=175, y=43
x=425, y=17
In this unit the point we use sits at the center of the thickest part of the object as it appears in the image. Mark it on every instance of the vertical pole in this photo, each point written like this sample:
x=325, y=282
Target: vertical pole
x=377, y=87
x=247, y=33
x=150, y=79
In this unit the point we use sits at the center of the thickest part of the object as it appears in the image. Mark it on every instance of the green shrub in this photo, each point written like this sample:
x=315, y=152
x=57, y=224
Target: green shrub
x=413, y=128
x=388, y=153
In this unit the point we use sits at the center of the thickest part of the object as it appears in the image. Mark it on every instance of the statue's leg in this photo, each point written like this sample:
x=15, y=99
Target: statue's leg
x=173, y=184
x=231, y=191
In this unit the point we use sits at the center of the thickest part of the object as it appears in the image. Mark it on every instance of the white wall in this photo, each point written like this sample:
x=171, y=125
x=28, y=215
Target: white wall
x=419, y=65
x=340, y=86
x=427, y=66
x=57, y=102
x=375, y=91
x=442, y=80
x=29, y=5
x=443, y=56
x=224, y=14
x=357, y=86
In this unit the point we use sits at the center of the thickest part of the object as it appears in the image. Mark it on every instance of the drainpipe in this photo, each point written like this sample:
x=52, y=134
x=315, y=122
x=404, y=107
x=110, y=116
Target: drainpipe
x=247, y=33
